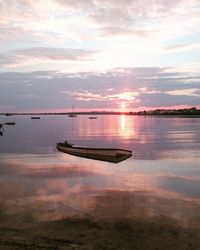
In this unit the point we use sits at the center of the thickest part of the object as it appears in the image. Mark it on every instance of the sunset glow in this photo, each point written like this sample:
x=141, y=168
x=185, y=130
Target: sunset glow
x=99, y=54
x=99, y=124
x=123, y=105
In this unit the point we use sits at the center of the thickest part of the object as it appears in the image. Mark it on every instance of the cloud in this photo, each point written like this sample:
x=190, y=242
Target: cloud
x=126, y=10
x=141, y=17
x=78, y=4
x=185, y=186
x=36, y=26
x=8, y=34
x=136, y=87
x=82, y=20
x=122, y=31
x=18, y=10
x=56, y=171
x=162, y=99
x=44, y=54
x=127, y=34
x=181, y=48
x=54, y=53
x=88, y=96
x=185, y=92
x=189, y=72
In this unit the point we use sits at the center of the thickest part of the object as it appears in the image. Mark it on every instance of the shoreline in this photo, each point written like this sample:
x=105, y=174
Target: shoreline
x=103, y=113
x=188, y=112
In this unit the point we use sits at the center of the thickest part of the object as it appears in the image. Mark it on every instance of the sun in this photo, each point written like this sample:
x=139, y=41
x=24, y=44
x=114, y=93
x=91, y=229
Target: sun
x=123, y=105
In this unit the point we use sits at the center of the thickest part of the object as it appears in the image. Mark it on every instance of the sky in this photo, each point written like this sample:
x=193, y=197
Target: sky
x=99, y=54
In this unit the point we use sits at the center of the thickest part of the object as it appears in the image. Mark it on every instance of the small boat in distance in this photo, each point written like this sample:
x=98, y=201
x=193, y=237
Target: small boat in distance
x=9, y=123
x=92, y=117
x=72, y=115
x=103, y=154
x=35, y=117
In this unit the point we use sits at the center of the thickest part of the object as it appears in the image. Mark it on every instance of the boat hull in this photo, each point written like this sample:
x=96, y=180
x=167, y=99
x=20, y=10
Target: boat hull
x=9, y=123
x=35, y=117
x=109, y=155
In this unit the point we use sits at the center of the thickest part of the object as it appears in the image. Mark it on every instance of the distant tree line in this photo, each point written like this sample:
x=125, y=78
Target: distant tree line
x=185, y=111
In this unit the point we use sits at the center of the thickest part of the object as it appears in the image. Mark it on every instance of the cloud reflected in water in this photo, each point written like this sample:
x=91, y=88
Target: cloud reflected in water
x=33, y=190
x=185, y=186
x=112, y=204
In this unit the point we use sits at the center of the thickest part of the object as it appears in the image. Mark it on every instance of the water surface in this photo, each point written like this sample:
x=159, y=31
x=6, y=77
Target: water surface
x=160, y=180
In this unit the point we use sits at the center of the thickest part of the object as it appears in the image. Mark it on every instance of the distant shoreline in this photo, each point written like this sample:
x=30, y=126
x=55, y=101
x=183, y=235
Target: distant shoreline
x=189, y=112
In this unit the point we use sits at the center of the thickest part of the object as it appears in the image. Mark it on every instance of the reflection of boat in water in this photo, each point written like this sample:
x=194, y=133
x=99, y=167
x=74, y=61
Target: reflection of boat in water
x=1, y=129
x=92, y=117
x=9, y=123
x=103, y=154
x=72, y=115
x=35, y=117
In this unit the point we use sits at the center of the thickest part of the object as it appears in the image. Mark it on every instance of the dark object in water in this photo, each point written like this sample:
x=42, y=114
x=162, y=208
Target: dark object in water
x=35, y=117
x=103, y=154
x=92, y=117
x=9, y=123
x=1, y=129
x=72, y=115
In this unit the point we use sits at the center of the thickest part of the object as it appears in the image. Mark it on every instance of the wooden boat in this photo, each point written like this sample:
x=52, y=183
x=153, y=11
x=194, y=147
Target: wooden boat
x=103, y=154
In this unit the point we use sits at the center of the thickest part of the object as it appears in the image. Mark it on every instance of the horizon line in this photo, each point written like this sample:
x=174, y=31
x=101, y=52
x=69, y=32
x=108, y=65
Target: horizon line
x=100, y=112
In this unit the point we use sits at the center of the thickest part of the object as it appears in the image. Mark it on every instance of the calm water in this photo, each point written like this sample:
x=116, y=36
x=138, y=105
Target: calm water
x=160, y=180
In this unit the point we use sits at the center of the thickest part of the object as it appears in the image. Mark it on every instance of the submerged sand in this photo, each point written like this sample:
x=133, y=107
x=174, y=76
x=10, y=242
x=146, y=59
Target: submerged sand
x=88, y=233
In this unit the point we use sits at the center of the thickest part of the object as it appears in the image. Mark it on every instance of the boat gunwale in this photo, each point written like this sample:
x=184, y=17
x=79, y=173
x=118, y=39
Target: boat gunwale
x=91, y=148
